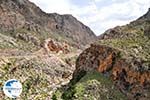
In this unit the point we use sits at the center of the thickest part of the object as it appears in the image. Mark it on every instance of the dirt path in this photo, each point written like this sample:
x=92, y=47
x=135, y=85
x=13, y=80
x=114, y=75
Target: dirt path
x=40, y=53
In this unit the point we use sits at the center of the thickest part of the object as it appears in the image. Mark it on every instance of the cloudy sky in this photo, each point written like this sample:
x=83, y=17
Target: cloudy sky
x=99, y=15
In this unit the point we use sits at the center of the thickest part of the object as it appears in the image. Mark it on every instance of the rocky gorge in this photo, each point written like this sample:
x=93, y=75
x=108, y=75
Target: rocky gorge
x=56, y=57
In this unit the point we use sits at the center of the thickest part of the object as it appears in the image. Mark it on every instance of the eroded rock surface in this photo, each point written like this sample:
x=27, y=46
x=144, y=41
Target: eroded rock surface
x=128, y=76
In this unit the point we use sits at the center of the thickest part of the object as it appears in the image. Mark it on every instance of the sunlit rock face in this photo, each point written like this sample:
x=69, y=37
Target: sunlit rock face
x=122, y=54
x=127, y=75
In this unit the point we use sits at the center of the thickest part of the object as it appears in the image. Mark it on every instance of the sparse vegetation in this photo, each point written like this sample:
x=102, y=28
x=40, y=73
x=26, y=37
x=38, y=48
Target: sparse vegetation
x=91, y=86
x=131, y=46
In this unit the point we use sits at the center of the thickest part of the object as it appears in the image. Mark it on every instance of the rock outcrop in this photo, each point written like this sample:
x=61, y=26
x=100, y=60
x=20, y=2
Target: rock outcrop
x=57, y=47
x=122, y=54
x=128, y=76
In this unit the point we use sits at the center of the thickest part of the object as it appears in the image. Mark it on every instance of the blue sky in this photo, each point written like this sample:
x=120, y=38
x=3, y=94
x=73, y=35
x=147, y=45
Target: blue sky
x=99, y=15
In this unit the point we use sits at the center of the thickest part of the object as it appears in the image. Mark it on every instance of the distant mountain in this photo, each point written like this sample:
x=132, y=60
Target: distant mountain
x=22, y=15
x=146, y=16
x=142, y=23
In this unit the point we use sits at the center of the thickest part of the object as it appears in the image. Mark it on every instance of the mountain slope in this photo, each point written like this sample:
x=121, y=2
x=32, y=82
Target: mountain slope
x=146, y=16
x=121, y=54
x=37, y=48
x=132, y=38
x=16, y=15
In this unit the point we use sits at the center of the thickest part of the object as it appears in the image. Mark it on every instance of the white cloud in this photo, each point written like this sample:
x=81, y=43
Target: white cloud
x=98, y=18
x=52, y=6
x=97, y=0
x=108, y=16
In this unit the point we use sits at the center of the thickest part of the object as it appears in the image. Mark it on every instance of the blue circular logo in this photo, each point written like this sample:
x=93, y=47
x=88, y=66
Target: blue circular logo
x=12, y=88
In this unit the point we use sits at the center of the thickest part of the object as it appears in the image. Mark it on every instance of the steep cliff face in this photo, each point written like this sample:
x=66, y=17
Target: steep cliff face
x=121, y=54
x=22, y=14
x=127, y=74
